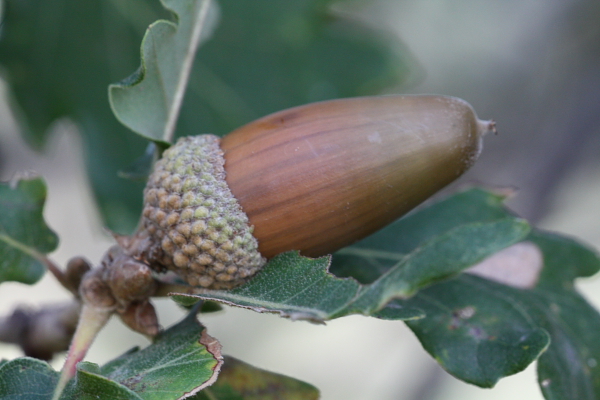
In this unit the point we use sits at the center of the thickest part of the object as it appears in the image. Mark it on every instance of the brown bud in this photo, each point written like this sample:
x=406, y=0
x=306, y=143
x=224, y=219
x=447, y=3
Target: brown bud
x=95, y=291
x=77, y=267
x=130, y=280
x=141, y=317
x=319, y=177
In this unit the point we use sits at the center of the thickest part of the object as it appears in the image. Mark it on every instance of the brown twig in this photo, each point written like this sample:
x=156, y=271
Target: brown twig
x=41, y=333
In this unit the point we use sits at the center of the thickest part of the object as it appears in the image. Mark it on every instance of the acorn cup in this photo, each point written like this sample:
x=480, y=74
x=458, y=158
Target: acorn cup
x=313, y=178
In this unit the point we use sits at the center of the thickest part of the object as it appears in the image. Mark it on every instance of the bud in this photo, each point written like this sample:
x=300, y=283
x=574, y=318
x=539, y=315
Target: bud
x=141, y=317
x=313, y=178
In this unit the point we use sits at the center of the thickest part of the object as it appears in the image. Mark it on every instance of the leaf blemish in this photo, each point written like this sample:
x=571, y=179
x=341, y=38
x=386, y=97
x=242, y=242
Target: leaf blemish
x=465, y=313
x=133, y=381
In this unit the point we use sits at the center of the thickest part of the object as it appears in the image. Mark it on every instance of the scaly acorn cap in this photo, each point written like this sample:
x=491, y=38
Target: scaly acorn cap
x=313, y=178
x=191, y=223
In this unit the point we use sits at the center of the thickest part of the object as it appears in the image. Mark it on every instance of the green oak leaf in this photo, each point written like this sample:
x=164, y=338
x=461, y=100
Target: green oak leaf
x=294, y=286
x=59, y=57
x=24, y=236
x=27, y=379
x=149, y=101
x=241, y=381
x=569, y=368
x=517, y=333
x=474, y=332
x=480, y=330
x=182, y=360
x=89, y=384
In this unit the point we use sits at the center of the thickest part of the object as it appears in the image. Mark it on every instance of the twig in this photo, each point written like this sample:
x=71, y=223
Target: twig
x=41, y=333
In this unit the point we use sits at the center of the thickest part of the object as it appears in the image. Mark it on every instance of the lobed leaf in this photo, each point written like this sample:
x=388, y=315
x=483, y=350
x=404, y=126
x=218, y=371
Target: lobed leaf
x=475, y=332
x=24, y=235
x=480, y=330
x=148, y=102
x=569, y=369
x=181, y=361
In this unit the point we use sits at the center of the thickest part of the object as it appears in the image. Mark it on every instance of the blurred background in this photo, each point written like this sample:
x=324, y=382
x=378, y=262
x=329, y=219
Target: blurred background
x=532, y=65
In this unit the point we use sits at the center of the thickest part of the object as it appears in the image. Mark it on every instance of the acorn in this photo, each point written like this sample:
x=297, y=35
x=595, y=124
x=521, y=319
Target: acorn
x=313, y=178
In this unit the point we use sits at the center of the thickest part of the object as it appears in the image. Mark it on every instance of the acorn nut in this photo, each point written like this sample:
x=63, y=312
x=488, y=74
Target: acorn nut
x=313, y=178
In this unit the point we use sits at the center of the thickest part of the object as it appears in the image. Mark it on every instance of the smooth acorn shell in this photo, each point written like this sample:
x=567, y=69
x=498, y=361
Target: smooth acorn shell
x=319, y=177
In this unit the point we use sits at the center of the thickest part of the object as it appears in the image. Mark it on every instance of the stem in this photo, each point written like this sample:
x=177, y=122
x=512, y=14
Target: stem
x=487, y=126
x=33, y=253
x=57, y=273
x=91, y=321
x=185, y=71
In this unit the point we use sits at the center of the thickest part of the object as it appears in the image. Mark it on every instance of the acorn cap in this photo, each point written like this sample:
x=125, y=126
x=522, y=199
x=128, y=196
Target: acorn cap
x=191, y=223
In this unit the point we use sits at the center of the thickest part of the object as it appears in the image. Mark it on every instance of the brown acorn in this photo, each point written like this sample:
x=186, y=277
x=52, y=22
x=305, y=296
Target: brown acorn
x=313, y=178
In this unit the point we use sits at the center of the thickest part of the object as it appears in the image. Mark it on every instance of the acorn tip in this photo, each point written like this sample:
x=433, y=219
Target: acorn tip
x=487, y=126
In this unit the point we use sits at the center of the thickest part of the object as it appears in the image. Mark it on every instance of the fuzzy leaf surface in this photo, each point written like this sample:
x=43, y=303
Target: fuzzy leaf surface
x=148, y=102
x=27, y=379
x=294, y=286
x=480, y=330
x=241, y=381
x=302, y=288
x=59, y=57
x=24, y=235
x=89, y=384
x=183, y=359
